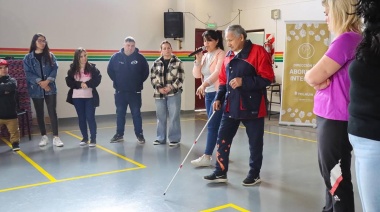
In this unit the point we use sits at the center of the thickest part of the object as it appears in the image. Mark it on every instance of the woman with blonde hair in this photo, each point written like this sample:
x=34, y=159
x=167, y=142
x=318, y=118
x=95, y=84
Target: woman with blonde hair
x=330, y=79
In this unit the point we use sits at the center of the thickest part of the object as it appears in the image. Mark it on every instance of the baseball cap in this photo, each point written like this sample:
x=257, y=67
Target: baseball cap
x=3, y=62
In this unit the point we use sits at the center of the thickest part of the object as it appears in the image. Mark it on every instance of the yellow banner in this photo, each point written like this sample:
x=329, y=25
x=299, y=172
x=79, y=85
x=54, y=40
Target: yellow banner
x=306, y=43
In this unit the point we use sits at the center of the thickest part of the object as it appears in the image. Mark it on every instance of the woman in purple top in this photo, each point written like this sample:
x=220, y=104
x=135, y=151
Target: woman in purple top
x=330, y=79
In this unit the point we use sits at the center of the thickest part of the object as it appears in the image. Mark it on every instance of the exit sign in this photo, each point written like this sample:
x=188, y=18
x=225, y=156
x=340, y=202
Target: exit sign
x=211, y=26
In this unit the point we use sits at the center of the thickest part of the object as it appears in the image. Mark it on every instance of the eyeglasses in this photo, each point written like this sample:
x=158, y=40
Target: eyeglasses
x=41, y=41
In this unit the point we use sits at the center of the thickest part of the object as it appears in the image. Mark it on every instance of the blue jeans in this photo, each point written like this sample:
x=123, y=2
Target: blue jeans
x=367, y=159
x=171, y=106
x=122, y=100
x=227, y=131
x=86, y=114
x=214, y=123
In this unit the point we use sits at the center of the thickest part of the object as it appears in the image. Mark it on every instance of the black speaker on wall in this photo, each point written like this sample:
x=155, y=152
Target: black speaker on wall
x=173, y=24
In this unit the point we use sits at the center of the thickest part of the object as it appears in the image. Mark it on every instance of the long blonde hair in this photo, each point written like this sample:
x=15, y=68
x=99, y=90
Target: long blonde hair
x=342, y=16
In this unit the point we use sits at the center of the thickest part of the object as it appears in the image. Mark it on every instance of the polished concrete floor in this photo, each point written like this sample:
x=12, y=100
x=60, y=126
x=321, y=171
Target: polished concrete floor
x=128, y=176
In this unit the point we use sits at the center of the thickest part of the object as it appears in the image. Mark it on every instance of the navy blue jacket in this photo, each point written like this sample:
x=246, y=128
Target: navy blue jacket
x=128, y=73
x=252, y=64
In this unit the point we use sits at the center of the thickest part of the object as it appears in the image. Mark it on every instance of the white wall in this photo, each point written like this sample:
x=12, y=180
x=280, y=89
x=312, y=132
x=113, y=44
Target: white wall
x=256, y=14
x=99, y=24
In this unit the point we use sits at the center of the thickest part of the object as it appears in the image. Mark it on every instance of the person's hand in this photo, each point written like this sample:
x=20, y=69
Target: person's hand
x=200, y=92
x=167, y=89
x=83, y=85
x=162, y=91
x=199, y=55
x=47, y=88
x=236, y=82
x=216, y=106
x=43, y=84
x=323, y=85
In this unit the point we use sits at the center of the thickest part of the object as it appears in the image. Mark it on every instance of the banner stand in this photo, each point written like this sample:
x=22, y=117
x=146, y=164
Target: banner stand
x=306, y=42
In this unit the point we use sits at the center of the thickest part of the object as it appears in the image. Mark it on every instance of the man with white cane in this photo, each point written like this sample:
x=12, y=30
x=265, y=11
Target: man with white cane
x=245, y=74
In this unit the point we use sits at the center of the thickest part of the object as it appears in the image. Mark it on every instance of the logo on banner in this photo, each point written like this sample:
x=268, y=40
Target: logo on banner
x=306, y=51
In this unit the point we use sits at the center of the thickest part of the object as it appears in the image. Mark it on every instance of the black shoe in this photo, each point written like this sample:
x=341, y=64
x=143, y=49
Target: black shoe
x=15, y=146
x=251, y=181
x=216, y=179
x=157, y=142
x=141, y=139
x=173, y=143
x=117, y=138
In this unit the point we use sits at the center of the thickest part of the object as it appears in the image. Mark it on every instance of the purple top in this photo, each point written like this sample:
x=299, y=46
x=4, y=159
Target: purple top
x=332, y=102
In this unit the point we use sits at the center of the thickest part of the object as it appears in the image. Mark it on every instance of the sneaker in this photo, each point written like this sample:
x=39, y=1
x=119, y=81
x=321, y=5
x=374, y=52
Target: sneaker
x=57, y=142
x=141, y=139
x=83, y=142
x=251, y=181
x=216, y=179
x=92, y=144
x=44, y=141
x=202, y=161
x=117, y=138
x=173, y=143
x=157, y=142
x=15, y=146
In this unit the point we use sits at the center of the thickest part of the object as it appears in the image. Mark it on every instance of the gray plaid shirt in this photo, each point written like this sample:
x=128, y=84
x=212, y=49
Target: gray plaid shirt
x=174, y=76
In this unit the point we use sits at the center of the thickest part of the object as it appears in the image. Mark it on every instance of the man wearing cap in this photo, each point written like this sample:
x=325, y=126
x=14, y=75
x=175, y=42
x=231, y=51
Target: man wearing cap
x=8, y=114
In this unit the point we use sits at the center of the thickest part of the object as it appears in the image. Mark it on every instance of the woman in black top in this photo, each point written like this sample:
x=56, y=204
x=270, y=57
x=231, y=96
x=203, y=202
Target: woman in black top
x=364, y=108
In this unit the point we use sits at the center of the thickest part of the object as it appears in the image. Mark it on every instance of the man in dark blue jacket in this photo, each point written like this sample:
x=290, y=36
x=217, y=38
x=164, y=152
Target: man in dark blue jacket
x=128, y=69
x=8, y=114
x=246, y=71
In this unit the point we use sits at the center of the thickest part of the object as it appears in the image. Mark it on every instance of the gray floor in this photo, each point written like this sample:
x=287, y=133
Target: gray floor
x=128, y=176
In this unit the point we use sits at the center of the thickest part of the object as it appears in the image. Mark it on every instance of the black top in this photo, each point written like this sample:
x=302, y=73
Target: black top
x=166, y=64
x=39, y=58
x=364, y=107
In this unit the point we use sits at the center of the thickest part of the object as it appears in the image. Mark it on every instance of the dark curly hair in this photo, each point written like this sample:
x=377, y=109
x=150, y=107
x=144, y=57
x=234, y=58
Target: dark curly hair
x=368, y=50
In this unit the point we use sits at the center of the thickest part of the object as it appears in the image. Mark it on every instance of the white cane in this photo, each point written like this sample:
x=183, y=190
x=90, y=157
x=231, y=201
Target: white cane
x=196, y=140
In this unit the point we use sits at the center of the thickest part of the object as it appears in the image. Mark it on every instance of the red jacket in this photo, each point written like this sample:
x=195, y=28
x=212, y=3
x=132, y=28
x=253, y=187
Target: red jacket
x=253, y=64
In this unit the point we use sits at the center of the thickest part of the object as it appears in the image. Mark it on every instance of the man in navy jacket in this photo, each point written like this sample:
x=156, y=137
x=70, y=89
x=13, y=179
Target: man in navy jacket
x=245, y=74
x=128, y=69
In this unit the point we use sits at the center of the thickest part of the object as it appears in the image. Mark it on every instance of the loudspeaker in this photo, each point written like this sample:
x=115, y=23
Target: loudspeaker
x=173, y=24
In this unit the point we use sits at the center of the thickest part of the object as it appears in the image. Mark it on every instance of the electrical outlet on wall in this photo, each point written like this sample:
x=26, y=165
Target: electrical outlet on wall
x=275, y=14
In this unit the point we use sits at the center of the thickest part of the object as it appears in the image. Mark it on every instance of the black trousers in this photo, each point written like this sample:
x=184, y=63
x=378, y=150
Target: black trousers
x=334, y=157
x=51, y=103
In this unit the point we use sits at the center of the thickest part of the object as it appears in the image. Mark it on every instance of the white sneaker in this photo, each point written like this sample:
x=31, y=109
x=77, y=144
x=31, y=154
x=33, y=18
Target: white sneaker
x=202, y=161
x=44, y=141
x=57, y=142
